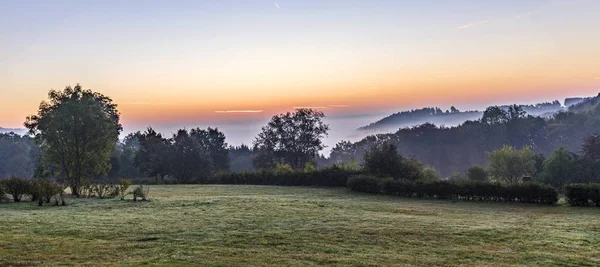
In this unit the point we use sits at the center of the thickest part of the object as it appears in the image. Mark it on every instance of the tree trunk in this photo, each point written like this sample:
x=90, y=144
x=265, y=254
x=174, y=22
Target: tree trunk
x=75, y=190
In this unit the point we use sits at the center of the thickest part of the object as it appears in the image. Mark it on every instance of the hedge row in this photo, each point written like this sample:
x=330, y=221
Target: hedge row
x=331, y=177
x=471, y=190
x=582, y=194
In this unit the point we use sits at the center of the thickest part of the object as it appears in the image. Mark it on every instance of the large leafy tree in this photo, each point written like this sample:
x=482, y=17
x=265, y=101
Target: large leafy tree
x=559, y=168
x=76, y=129
x=591, y=147
x=213, y=141
x=190, y=159
x=292, y=138
x=385, y=161
x=510, y=165
x=152, y=153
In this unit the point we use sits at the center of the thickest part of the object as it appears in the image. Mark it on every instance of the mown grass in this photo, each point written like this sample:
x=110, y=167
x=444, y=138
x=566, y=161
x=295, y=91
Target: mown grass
x=217, y=225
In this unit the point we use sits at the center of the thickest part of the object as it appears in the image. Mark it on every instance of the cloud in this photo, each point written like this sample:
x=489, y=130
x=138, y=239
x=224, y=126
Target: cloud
x=339, y=106
x=597, y=78
x=144, y=103
x=277, y=5
x=472, y=24
x=239, y=111
x=538, y=53
x=523, y=14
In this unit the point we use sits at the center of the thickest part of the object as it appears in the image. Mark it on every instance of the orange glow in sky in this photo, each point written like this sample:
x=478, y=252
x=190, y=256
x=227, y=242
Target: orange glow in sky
x=231, y=60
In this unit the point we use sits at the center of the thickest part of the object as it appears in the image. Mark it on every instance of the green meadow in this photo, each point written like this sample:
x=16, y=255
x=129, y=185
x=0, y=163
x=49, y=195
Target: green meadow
x=224, y=225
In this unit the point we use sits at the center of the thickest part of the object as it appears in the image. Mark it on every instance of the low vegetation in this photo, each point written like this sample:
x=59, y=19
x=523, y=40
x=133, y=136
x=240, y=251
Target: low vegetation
x=231, y=225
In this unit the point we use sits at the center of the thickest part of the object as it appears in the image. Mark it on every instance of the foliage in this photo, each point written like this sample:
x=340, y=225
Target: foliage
x=282, y=168
x=76, y=130
x=188, y=156
x=385, y=161
x=430, y=173
x=332, y=176
x=310, y=167
x=142, y=192
x=364, y=183
x=582, y=194
x=455, y=149
x=240, y=158
x=102, y=190
x=18, y=155
x=559, y=168
x=189, y=159
x=152, y=156
x=292, y=138
x=510, y=165
x=2, y=193
x=124, y=184
x=477, y=173
x=17, y=187
x=213, y=141
x=473, y=191
x=46, y=190
x=591, y=147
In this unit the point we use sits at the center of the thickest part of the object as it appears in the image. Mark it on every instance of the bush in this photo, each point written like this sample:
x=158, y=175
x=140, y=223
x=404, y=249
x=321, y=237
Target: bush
x=472, y=191
x=583, y=194
x=124, y=184
x=364, y=183
x=330, y=177
x=141, y=192
x=17, y=187
x=2, y=193
x=385, y=161
x=46, y=190
x=477, y=173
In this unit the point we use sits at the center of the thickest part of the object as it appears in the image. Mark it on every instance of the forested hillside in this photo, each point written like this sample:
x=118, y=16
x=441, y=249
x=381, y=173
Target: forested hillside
x=454, y=117
x=452, y=149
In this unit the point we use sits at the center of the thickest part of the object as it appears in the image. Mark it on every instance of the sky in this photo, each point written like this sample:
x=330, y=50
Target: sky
x=223, y=62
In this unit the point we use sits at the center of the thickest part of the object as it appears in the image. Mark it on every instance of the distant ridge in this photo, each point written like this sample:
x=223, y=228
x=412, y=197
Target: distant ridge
x=19, y=131
x=454, y=117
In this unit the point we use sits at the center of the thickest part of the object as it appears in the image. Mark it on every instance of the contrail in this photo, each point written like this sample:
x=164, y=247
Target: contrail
x=277, y=5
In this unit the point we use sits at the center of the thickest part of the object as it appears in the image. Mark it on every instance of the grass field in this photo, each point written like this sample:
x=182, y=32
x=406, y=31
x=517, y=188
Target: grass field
x=294, y=226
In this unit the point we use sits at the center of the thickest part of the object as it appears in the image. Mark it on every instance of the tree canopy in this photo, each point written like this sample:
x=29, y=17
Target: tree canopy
x=76, y=130
x=292, y=138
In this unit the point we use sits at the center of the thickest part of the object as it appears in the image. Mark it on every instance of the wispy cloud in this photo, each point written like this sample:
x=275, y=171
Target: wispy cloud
x=313, y=107
x=277, y=5
x=239, y=111
x=472, y=24
x=144, y=103
x=597, y=78
x=523, y=14
x=339, y=106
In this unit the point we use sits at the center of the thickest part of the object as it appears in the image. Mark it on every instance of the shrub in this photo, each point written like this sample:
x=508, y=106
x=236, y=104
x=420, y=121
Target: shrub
x=364, y=183
x=385, y=161
x=2, y=193
x=124, y=184
x=142, y=192
x=582, y=194
x=103, y=190
x=17, y=187
x=430, y=173
x=472, y=191
x=45, y=190
x=333, y=176
x=477, y=173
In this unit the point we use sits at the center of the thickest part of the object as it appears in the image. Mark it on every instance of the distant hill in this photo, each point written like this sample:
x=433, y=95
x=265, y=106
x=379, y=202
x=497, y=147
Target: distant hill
x=19, y=131
x=585, y=104
x=414, y=117
x=454, y=117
